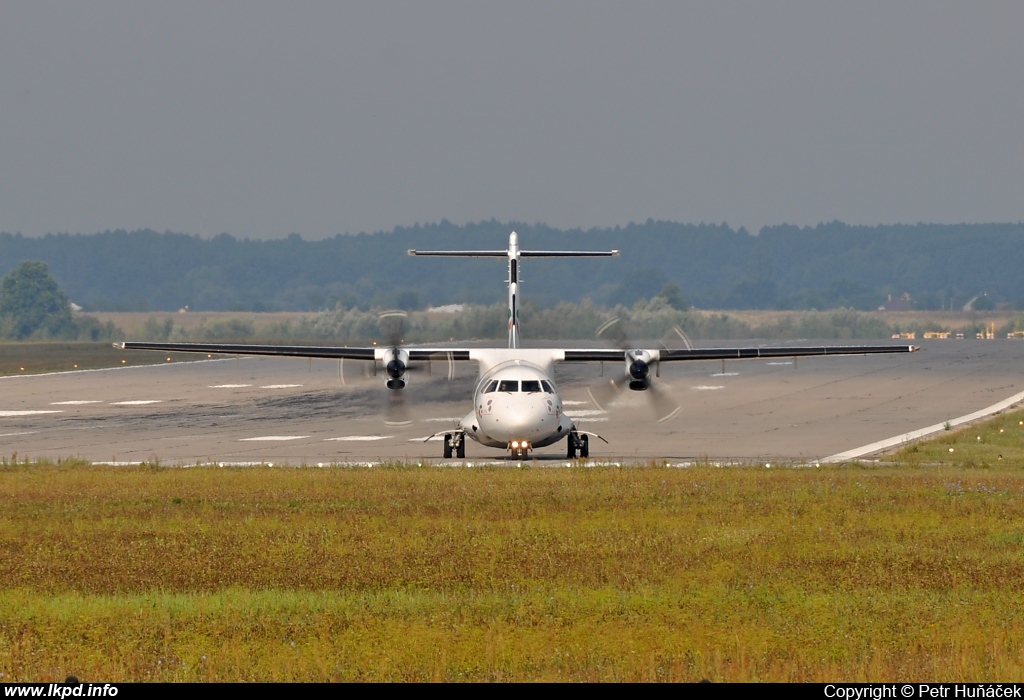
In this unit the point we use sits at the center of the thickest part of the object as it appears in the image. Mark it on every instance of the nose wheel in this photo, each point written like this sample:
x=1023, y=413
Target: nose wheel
x=455, y=443
x=579, y=445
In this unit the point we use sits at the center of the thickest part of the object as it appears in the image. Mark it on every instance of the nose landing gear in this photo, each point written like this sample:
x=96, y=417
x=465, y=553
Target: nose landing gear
x=519, y=449
x=455, y=442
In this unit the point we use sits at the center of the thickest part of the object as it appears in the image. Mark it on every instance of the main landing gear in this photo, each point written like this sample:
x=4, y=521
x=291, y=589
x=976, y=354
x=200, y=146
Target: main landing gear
x=579, y=445
x=455, y=442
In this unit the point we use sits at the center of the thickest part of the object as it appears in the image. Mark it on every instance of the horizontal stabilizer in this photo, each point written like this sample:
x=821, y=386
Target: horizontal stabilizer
x=522, y=254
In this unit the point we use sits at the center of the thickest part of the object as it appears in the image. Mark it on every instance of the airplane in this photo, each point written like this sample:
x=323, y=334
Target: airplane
x=517, y=406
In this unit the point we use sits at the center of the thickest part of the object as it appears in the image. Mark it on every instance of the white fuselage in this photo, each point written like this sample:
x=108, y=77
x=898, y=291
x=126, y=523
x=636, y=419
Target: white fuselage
x=515, y=400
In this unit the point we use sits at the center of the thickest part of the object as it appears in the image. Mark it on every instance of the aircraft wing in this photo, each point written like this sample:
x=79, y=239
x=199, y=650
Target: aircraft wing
x=613, y=355
x=317, y=351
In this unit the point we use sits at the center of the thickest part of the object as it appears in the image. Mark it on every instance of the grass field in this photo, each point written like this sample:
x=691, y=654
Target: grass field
x=859, y=573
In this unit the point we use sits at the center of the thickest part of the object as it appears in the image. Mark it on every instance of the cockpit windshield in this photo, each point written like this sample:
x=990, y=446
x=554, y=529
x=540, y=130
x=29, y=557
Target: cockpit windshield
x=529, y=386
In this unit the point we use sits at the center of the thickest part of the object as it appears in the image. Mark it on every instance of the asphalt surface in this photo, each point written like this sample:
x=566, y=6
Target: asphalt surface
x=295, y=411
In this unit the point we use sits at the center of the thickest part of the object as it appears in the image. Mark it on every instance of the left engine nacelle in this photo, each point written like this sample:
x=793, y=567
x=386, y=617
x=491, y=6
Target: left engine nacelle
x=638, y=368
x=396, y=363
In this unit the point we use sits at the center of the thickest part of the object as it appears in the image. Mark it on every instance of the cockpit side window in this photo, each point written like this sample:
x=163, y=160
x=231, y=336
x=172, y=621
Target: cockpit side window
x=547, y=386
x=492, y=387
x=531, y=386
x=508, y=385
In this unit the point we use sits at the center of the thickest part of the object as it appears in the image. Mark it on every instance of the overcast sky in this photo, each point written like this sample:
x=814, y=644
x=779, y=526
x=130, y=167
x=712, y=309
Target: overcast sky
x=264, y=118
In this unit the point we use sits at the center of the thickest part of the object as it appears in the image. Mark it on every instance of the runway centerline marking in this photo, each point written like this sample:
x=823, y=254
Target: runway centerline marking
x=279, y=386
x=143, y=402
x=274, y=438
x=359, y=438
x=228, y=386
x=24, y=432
x=584, y=413
x=72, y=403
x=707, y=387
x=452, y=419
x=14, y=414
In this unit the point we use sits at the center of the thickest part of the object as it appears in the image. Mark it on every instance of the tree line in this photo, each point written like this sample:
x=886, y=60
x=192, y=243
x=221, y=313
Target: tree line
x=709, y=266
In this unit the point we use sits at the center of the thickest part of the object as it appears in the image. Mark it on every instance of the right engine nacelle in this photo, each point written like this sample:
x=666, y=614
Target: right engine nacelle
x=638, y=367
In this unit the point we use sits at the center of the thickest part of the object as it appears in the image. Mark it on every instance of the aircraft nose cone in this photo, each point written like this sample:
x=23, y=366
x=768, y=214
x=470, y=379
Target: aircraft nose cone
x=518, y=420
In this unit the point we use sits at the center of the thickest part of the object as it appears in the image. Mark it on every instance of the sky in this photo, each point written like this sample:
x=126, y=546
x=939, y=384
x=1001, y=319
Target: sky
x=261, y=119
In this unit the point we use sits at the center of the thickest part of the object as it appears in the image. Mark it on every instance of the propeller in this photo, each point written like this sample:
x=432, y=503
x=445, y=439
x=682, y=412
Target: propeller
x=396, y=363
x=637, y=375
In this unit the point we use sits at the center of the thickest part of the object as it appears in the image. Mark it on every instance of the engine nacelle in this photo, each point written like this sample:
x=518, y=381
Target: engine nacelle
x=396, y=362
x=638, y=367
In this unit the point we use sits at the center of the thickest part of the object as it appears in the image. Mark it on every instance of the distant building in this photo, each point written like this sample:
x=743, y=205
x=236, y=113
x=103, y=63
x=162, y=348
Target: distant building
x=901, y=303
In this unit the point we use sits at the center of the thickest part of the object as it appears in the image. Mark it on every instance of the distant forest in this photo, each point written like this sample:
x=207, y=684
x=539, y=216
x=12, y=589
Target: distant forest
x=714, y=267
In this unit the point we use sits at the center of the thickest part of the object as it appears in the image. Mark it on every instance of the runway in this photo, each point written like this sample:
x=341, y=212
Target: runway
x=295, y=411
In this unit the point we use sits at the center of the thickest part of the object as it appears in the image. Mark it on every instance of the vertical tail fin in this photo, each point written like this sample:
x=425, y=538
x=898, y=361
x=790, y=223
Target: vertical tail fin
x=514, y=255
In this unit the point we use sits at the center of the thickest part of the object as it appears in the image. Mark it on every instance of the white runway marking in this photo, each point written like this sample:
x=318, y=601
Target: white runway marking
x=574, y=403
x=277, y=386
x=778, y=363
x=453, y=419
x=726, y=374
x=274, y=438
x=24, y=432
x=13, y=414
x=358, y=438
x=72, y=403
x=144, y=402
x=584, y=413
x=706, y=387
x=228, y=386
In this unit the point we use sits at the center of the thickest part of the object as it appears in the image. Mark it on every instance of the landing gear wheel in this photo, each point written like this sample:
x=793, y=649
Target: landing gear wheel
x=448, y=446
x=579, y=445
x=460, y=450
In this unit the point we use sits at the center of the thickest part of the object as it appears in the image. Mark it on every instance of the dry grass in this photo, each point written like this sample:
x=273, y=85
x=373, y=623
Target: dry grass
x=952, y=320
x=132, y=323
x=409, y=573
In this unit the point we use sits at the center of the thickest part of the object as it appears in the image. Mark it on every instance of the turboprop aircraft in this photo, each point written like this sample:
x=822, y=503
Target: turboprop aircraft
x=516, y=404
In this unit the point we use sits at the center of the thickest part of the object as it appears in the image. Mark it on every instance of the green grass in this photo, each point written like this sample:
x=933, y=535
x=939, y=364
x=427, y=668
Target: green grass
x=985, y=445
x=644, y=573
